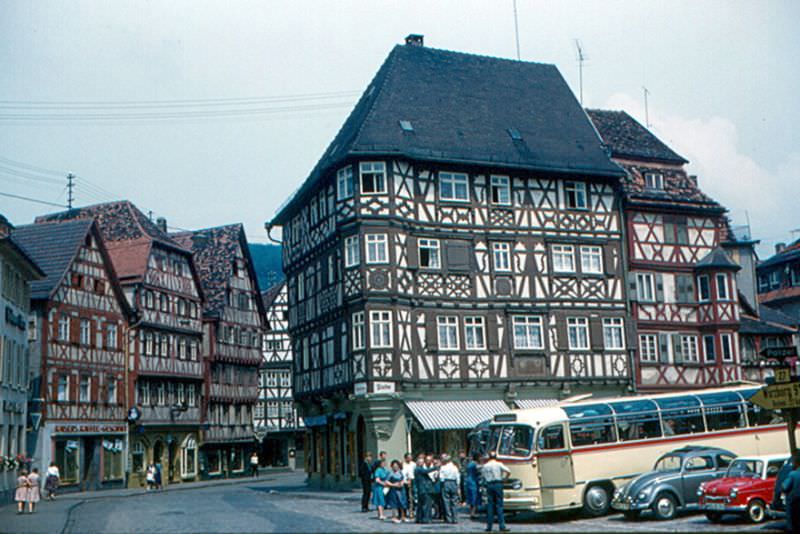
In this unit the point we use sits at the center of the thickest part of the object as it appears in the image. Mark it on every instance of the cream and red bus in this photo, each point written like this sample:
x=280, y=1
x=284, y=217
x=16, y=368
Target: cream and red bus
x=575, y=454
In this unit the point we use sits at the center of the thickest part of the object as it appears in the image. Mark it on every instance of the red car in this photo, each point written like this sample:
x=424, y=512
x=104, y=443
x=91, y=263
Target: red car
x=746, y=489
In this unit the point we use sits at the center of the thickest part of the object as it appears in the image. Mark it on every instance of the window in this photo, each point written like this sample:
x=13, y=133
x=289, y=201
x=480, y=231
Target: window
x=591, y=260
x=286, y=380
x=474, y=335
x=648, y=347
x=552, y=438
x=191, y=395
x=591, y=425
x=613, y=333
x=689, y=348
x=578, y=333
x=376, y=248
x=373, y=177
x=637, y=419
x=63, y=388
x=723, y=411
x=763, y=283
x=137, y=455
x=709, y=349
x=161, y=394
x=112, y=390
x=380, y=329
x=344, y=183
x=501, y=257
x=189, y=457
x=85, y=389
x=681, y=415
x=703, y=288
x=67, y=460
x=352, y=252
x=358, y=330
x=575, y=195
x=181, y=393
x=563, y=259
x=654, y=181
x=501, y=190
x=527, y=332
x=429, y=253
x=774, y=280
x=645, y=287
x=453, y=186
x=85, y=332
x=448, y=332
x=112, y=459
x=63, y=328
x=727, y=347
x=722, y=286
x=111, y=336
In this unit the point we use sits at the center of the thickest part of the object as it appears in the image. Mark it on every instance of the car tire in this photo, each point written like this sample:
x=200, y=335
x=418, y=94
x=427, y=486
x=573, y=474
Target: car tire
x=714, y=517
x=665, y=506
x=631, y=515
x=756, y=511
x=596, y=501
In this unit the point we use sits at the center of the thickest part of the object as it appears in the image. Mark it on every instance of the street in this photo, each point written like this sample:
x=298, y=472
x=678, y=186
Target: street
x=279, y=502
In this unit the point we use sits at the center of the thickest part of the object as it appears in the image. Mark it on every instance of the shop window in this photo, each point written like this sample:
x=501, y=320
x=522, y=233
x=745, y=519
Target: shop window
x=237, y=459
x=137, y=457
x=112, y=459
x=213, y=461
x=189, y=457
x=67, y=460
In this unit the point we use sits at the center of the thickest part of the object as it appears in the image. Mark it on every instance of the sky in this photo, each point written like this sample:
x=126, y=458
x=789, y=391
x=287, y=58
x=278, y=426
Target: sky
x=209, y=113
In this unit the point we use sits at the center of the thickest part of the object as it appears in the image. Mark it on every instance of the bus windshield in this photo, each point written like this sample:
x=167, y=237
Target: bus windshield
x=668, y=463
x=512, y=440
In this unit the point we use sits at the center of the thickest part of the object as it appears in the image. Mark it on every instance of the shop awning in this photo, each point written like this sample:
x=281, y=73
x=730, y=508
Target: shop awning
x=535, y=403
x=454, y=415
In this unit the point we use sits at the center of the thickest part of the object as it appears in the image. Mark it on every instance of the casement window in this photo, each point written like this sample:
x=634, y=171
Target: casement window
x=182, y=348
x=591, y=260
x=654, y=181
x=331, y=269
x=648, y=347
x=373, y=177
x=181, y=389
x=501, y=190
x=286, y=380
x=84, y=389
x=527, y=332
x=143, y=390
x=703, y=288
x=727, y=347
x=645, y=287
x=63, y=388
x=272, y=379
x=722, y=286
x=794, y=275
x=774, y=280
x=429, y=253
x=191, y=395
x=313, y=210
x=501, y=257
x=709, y=349
x=161, y=394
x=86, y=331
x=447, y=328
x=148, y=299
x=164, y=301
x=474, y=333
x=613, y=333
x=575, y=195
x=380, y=323
x=352, y=251
x=63, y=328
x=111, y=336
x=689, y=349
x=111, y=390
x=676, y=231
x=578, y=333
x=377, y=250
x=148, y=344
x=453, y=186
x=563, y=258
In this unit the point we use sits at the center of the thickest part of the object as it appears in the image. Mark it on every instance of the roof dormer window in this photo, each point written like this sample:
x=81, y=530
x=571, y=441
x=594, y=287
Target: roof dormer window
x=654, y=181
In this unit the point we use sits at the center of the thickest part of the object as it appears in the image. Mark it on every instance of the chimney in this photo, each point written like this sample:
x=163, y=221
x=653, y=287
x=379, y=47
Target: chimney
x=161, y=222
x=5, y=227
x=693, y=179
x=415, y=39
x=779, y=247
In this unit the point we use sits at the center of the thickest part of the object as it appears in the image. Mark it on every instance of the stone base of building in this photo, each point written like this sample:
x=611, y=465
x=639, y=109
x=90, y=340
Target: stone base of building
x=174, y=449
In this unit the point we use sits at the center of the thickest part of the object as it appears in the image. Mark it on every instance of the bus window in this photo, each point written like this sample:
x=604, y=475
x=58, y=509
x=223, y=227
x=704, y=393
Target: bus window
x=723, y=411
x=637, y=419
x=759, y=416
x=512, y=440
x=590, y=425
x=681, y=415
x=552, y=438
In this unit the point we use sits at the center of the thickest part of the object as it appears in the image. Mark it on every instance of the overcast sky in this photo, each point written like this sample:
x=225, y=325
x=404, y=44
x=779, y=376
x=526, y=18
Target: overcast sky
x=723, y=80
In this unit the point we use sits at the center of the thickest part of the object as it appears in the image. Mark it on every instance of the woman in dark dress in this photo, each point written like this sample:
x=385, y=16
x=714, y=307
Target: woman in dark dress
x=396, y=498
x=472, y=485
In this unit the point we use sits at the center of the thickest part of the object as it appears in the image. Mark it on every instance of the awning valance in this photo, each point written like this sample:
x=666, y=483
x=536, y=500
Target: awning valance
x=454, y=415
x=524, y=404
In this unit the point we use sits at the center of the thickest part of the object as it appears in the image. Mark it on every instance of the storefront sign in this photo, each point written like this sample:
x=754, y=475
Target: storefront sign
x=360, y=389
x=383, y=387
x=90, y=429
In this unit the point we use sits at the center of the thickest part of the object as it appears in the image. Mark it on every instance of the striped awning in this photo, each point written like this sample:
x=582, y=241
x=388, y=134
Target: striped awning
x=455, y=415
x=535, y=403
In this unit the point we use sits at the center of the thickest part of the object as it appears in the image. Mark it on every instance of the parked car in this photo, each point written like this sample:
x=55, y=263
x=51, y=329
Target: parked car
x=746, y=489
x=673, y=483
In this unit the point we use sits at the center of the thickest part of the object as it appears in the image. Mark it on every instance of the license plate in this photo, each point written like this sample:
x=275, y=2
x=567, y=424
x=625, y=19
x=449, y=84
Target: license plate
x=715, y=506
x=622, y=506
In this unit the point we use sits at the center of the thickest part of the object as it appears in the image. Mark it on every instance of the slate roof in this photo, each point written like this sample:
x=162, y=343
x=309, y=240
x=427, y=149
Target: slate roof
x=461, y=108
x=769, y=322
x=717, y=259
x=269, y=296
x=10, y=246
x=627, y=138
x=790, y=253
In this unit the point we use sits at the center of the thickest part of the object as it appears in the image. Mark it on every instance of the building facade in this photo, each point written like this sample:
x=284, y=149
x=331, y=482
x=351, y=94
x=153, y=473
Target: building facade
x=779, y=279
x=233, y=323
x=444, y=266
x=77, y=366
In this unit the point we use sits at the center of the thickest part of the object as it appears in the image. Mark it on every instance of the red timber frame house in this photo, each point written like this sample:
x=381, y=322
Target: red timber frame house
x=79, y=315
x=682, y=283
x=165, y=371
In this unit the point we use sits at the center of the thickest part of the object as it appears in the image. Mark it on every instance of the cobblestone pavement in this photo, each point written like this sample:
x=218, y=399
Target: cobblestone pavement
x=281, y=503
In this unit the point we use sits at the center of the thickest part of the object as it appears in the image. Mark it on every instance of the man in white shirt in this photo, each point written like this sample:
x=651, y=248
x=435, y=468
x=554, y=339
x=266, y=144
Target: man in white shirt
x=493, y=473
x=409, y=465
x=451, y=478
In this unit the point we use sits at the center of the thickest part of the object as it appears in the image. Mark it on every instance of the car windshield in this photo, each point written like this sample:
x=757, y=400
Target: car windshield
x=511, y=440
x=745, y=468
x=670, y=462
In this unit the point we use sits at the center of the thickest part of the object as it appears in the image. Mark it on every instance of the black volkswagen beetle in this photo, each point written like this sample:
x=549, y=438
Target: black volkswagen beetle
x=672, y=484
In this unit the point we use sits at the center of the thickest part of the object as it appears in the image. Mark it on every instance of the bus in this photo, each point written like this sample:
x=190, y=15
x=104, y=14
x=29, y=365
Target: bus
x=575, y=454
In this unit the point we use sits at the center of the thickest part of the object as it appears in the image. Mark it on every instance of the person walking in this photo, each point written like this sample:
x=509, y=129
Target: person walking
x=408, y=475
x=396, y=498
x=21, y=492
x=34, y=490
x=450, y=478
x=378, y=494
x=472, y=485
x=150, y=477
x=494, y=473
x=365, y=475
x=424, y=483
x=51, y=480
x=791, y=487
x=254, y=464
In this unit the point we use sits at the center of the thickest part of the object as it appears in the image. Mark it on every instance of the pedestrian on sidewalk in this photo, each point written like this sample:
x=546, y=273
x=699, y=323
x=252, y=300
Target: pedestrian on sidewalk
x=365, y=475
x=150, y=477
x=451, y=480
x=21, y=493
x=254, y=464
x=51, y=480
x=494, y=473
x=379, y=488
x=158, y=475
x=34, y=492
x=472, y=485
x=396, y=498
x=408, y=475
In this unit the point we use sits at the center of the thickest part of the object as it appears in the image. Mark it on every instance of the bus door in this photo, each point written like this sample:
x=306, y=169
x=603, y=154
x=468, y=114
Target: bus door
x=556, y=475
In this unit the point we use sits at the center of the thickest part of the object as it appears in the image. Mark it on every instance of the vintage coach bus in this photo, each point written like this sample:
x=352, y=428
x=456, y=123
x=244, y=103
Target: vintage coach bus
x=575, y=454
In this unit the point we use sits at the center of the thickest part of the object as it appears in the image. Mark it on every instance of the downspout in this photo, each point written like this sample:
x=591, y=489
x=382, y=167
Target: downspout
x=626, y=288
x=128, y=328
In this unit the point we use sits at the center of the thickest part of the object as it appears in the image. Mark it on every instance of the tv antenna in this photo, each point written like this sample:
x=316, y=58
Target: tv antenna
x=581, y=58
x=646, y=92
x=516, y=29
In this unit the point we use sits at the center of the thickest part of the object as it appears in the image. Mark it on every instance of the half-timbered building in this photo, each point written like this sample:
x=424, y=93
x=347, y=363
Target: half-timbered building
x=681, y=281
x=165, y=368
x=77, y=367
x=457, y=249
x=233, y=323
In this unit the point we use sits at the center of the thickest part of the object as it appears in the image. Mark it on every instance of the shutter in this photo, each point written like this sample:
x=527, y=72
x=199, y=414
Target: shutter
x=608, y=260
x=633, y=293
x=689, y=288
x=458, y=253
x=680, y=288
x=72, y=382
x=659, y=287
x=596, y=341
x=431, y=334
x=677, y=349
x=412, y=252
x=54, y=388
x=669, y=232
x=561, y=332
x=492, y=334
x=663, y=348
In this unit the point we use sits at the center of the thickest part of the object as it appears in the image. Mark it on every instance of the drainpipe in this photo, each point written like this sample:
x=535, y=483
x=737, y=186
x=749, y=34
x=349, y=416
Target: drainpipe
x=626, y=288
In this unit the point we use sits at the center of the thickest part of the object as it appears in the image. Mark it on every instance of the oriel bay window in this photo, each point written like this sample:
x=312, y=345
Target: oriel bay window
x=380, y=323
x=703, y=288
x=429, y=256
x=613, y=333
x=578, y=333
x=377, y=248
x=453, y=186
x=722, y=286
x=563, y=258
x=447, y=327
x=373, y=177
x=501, y=257
x=501, y=190
x=527, y=332
x=474, y=333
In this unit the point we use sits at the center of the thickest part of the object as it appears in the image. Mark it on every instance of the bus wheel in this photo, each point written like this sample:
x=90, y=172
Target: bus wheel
x=756, y=511
x=665, y=506
x=596, y=501
x=714, y=517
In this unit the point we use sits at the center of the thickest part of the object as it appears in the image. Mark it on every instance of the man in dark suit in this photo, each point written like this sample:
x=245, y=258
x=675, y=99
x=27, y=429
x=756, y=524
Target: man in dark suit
x=425, y=488
x=365, y=475
x=377, y=462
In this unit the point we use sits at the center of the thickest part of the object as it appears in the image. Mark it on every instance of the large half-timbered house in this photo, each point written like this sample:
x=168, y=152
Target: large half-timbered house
x=165, y=367
x=682, y=282
x=78, y=322
x=233, y=321
x=457, y=249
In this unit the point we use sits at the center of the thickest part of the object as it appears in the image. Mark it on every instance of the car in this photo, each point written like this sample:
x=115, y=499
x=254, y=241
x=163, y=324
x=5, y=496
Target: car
x=746, y=489
x=673, y=483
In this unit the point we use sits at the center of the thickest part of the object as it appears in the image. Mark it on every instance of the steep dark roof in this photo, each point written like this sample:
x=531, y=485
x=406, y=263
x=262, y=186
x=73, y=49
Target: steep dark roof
x=269, y=296
x=717, y=259
x=772, y=315
x=461, y=108
x=10, y=246
x=627, y=138
x=790, y=253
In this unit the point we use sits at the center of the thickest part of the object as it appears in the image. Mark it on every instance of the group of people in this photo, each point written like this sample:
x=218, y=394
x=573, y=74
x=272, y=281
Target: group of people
x=431, y=487
x=28, y=488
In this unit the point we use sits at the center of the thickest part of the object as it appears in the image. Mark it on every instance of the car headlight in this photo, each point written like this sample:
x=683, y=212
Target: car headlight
x=734, y=493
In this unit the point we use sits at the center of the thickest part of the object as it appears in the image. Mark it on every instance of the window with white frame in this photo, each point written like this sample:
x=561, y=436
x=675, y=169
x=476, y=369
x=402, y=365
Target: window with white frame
x=352, y=252
x=648, y=347
x=429, y=256
x=645, y=287
x=63, y=328
x=575, y=195
x=654, y=181
x=191, y=395
x=501, y=257
x=722, y=286
x=377, y=248
x=454, y=186
x=591, y=260
x=286, y=380
x=63, y=388
x=709, y=348
x=344, y=183
x=143, y=389
x=703, y=288
x=161, y=394
x=613, y=333
x=578, y=333
x=85, y=330
x=447, y=327
x=111, y=336
x=181, y=389
x=358, y=330
x=373, y=177
x=189, y=457
x=689, y=349
x=727, y=347
x=563, y=258
x=380, y=322
x=501, y=190
x=527, y=332
x=474, y=333
x=85, y=389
